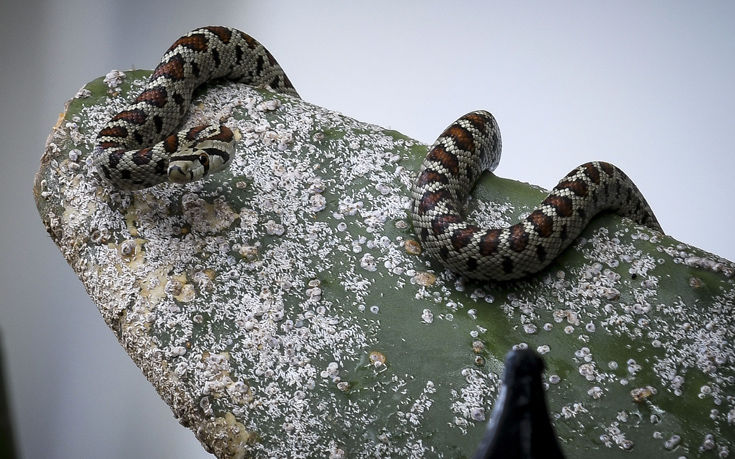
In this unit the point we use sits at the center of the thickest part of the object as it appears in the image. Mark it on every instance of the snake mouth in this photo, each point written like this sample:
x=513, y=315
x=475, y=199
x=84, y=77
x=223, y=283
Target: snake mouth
x=178, y=174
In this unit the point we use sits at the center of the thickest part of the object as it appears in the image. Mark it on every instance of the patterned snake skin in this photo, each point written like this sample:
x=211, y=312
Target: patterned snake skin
x=137, y=148
x=472, y=145
x=468, y=147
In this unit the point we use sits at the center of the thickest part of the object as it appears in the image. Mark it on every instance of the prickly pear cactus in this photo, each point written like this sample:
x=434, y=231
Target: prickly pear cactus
x=284, y=308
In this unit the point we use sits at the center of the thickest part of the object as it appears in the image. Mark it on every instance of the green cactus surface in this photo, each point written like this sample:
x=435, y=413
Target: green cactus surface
x=283, y=307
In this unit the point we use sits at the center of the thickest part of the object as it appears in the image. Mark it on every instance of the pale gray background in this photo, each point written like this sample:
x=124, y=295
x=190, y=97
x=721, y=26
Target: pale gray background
x=649, y=86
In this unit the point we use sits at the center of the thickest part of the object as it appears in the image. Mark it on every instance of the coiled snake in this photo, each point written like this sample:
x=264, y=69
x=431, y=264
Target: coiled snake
x=465, y=149
x=123, y=153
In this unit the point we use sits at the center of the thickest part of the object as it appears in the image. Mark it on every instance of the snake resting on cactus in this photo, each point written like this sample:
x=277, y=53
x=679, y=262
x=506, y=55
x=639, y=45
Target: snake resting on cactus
x=139, y=148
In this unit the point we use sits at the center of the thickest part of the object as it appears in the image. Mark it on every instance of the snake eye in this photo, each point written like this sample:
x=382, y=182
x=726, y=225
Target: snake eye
x=204, y=158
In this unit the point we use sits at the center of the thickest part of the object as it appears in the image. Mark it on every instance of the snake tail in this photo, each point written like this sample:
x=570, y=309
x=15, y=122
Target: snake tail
x=453, y=164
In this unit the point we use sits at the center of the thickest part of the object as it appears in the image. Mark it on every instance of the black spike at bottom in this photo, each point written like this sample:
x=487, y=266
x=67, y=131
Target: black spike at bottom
x=519, y=427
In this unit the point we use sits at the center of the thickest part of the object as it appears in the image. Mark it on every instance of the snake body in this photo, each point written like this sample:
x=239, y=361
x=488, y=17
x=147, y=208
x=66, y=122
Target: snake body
x=455, y=161
x=138, y=148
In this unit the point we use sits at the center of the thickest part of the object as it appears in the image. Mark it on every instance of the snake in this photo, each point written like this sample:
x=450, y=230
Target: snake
x=139, y=147
x=472, y=145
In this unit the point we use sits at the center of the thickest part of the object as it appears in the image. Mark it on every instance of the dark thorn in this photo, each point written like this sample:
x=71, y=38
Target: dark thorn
x=520, y=426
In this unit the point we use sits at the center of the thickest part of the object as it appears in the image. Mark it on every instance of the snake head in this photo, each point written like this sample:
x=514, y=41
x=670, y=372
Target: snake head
x=204, y=156
x=190, y=165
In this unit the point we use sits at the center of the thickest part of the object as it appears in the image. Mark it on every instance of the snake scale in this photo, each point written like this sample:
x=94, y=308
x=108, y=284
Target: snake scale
x=467, y=148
